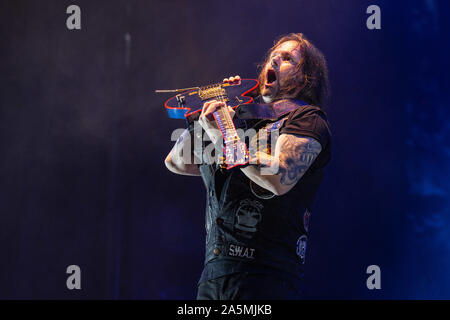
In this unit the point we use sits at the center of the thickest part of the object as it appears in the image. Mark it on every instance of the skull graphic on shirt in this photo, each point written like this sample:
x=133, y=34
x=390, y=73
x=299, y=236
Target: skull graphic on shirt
x=248, y=215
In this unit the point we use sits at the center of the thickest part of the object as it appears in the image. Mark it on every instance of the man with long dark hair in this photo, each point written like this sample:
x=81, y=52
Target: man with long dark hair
x=257, y=222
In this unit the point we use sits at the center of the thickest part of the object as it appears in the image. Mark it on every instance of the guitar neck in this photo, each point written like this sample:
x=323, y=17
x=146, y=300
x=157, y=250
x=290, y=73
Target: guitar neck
x=226, y=125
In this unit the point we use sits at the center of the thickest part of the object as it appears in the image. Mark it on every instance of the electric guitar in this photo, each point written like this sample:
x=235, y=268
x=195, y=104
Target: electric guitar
x=188, y=104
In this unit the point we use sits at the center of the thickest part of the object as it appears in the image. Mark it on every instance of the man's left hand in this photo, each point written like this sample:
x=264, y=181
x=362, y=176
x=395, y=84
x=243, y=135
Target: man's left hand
x=207, y=121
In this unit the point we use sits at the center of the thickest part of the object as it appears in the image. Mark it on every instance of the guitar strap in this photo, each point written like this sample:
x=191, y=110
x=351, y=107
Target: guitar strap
x=260, y=111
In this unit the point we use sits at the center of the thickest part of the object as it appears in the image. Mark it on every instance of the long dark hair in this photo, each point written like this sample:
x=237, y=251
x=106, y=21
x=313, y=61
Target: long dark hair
x=311, y=75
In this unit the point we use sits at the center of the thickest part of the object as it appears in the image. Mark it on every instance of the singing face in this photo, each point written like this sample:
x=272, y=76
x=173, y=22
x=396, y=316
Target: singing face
x=279, y=68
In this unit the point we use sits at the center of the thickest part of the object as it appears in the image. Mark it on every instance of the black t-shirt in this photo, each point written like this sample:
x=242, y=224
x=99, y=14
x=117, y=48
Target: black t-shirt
x=311, y=121
x=250, y=231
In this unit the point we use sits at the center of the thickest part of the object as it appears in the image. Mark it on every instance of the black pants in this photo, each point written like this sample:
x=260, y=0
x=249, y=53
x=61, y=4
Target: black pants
x=248, y=286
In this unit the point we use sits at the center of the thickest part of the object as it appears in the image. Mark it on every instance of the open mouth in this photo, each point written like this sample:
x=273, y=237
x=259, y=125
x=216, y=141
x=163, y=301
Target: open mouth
x=271, y=76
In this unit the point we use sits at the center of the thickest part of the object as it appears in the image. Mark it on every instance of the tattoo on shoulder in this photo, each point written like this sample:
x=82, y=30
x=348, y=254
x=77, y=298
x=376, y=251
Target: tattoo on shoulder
x=296, y=156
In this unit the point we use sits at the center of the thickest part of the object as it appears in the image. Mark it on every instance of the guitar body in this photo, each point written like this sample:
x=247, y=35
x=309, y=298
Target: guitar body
x=191, y=101
x=186, y=104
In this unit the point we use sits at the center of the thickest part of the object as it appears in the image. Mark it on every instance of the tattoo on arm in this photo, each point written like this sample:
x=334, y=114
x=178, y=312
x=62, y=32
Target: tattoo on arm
x=182, y=136
x=296, y=155
x=181, y=151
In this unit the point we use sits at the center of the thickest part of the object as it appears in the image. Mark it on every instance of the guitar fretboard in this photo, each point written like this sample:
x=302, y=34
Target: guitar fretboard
x=226, y=124
x=234, y=150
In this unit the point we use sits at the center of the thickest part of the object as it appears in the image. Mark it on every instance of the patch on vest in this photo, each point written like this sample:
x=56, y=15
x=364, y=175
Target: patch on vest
x=235, y=250
x=301, y=248
x=248, y=215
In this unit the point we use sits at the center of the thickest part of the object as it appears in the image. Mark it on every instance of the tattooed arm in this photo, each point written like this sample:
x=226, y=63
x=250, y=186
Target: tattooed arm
x=180, y=159
x=293, y=156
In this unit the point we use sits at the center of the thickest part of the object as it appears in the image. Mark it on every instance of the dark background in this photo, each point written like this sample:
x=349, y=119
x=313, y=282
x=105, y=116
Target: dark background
x=83, y=138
